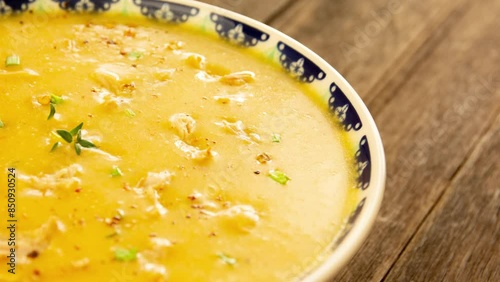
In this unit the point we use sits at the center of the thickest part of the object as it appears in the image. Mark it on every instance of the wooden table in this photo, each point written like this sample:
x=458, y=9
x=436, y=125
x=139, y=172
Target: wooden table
x=429, y=71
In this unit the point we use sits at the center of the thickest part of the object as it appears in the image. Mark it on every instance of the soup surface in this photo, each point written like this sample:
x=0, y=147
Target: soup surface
x=147, y=152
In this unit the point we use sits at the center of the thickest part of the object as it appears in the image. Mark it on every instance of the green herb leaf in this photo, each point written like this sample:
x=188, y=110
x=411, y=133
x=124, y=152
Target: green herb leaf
x=65, y=135
x=135, y=55
x=79, y=136
x=54, y=99
x=75, y=130
x=56, y=145
x=1, y=124
x=276, y=138
x=78, y=148
x=130, y=113
x=279, y=176
x=86, y=144
x=52, y=111
x=227, y=259
x=12, y=60
x=116, y=172
x=125, y=254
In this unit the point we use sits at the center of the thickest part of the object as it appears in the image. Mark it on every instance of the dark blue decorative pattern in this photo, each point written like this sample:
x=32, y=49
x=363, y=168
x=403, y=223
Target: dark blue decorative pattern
x=341, y=106
x=166, y=11
x=8, y=6
x=237, y=32
x=298, y=65
x=350, y=222
x=86, y=5
x=363, y=163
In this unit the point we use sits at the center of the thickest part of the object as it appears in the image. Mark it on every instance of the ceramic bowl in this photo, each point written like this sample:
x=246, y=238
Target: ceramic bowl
x=302, y=64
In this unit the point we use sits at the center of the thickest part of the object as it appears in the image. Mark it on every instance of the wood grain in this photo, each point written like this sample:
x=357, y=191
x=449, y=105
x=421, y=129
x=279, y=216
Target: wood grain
x=429, y=127
x=260, y=10
x=367, y=41
x=460, y=240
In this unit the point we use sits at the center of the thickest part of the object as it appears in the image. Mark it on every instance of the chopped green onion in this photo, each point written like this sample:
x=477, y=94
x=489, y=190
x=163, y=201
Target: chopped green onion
x=86, y=144
x=67, y=136
x=116, y=172
x=54, y=99
x=56, y=145
x=52, y=111
x=12, y=60
x=125, y=254
x=75, y=130
x=135, y=55
x=227, y=259
x=1, y=124
x=130, y=113
x=276, y=138
x=279, y=176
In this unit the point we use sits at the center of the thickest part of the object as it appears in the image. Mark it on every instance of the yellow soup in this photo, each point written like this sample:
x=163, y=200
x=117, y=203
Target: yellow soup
x=143, y=152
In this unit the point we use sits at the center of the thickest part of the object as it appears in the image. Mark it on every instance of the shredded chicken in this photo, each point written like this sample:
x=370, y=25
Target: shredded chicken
x=242, y=217
x=148, y=188
x=32, y=244
x=184, y=124
x=195, y=60
x=158, y=272
x=155, y=180
x=63, y=179
x=206, y=77
x=238, y=78
x=194, y=153
x=240, y=130
x=114, y=76
x=81, y=263
x=239, y=98
x=162, y=74
x=160, y=244
x=110, y=100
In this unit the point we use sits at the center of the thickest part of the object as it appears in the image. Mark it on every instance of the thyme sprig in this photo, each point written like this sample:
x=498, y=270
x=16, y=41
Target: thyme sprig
x=73, y=136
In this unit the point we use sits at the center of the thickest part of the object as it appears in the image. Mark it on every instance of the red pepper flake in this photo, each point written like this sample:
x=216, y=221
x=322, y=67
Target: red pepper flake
x=33, y=254
x=126, y=187
x=195, y=196
x=36, y=272
x=129, y=33
x=78, y=190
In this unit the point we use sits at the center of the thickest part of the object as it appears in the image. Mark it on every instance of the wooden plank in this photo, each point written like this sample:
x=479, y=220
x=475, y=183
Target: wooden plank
x=429, y=127
x=460, y=241
x=369, y=42
x=257, y=9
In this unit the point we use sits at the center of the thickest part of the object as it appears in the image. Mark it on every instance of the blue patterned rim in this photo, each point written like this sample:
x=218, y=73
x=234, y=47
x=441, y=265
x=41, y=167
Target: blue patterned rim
x=303, y=65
